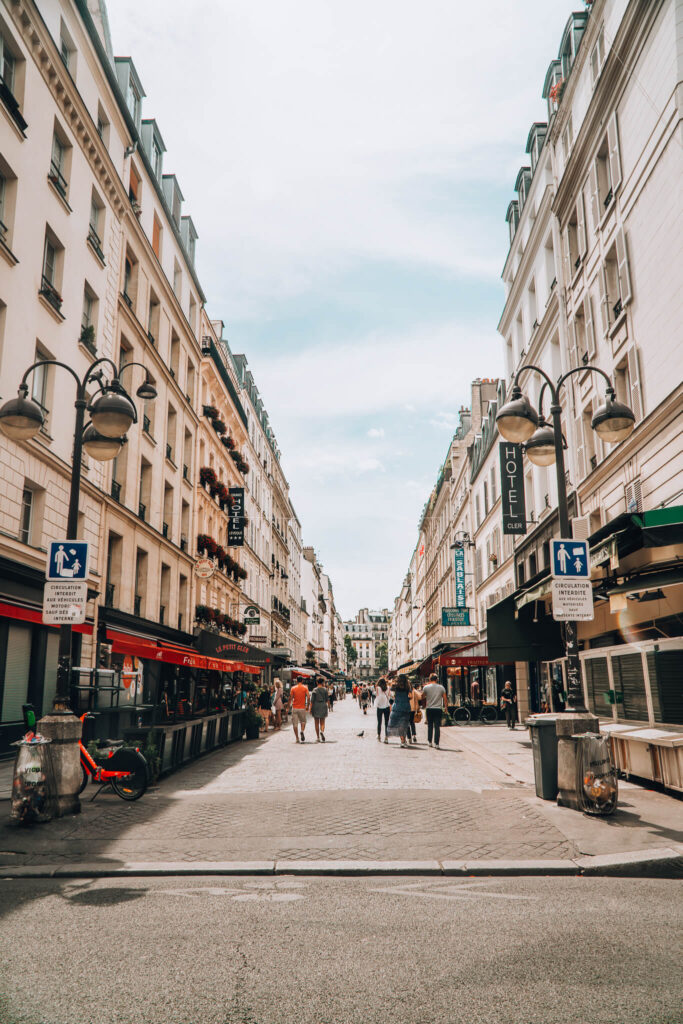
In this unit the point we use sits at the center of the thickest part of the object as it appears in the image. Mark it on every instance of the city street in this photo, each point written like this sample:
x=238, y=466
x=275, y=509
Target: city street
x=340, y=951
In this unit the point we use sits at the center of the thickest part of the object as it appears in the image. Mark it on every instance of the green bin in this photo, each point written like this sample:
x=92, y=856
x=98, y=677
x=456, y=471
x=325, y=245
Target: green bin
x=544, y=749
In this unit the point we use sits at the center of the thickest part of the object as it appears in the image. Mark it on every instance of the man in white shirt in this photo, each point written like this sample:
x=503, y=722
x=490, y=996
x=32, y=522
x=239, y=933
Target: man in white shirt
x=435, y=699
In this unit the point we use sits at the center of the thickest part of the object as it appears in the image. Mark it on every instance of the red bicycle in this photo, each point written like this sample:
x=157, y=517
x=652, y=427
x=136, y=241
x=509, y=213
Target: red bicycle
x=122, y=768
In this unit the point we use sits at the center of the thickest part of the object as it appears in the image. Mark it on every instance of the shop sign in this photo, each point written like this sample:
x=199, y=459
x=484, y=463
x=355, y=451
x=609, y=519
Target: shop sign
x=236, y=518
x=204, y=568
x=572, y=600
x=460, y=589
x=512, y=488
x=64, y=603
x=455, y=617
x=258, y=639
x=252, y=615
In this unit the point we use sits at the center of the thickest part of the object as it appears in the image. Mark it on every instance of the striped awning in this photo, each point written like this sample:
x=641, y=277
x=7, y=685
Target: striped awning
x=405, y=670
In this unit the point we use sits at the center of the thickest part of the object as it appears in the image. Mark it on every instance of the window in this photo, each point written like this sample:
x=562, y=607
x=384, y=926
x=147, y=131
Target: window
x=156, y=159
x=130, y=279
x=567, y=139
x=51, y=270
x=89, y=319
x=26, y=516
x=64, y=52
x=627, y=379
x=486, y=499
x=96, y=225
x=135, y=190
x=102, y=124
x=177, y=279
x=598, y=56
x=58, y=164
x=153, y=318
x=7, y=64
x=615, y=282
x=156, y=236
x=133, y=101
x=605, y=173
x=582, y=333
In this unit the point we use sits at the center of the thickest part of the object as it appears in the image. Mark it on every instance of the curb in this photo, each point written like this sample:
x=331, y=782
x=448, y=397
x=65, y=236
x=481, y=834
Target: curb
x=661, y=863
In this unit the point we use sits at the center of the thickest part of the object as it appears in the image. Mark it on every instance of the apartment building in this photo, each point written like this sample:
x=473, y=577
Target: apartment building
x=369, y=632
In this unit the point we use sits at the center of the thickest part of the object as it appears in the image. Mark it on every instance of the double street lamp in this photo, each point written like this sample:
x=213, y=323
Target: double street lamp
x=520, y=423
x=112, y=413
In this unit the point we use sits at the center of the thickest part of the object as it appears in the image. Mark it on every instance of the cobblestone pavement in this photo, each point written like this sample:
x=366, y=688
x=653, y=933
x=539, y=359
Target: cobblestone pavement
x=350, y=798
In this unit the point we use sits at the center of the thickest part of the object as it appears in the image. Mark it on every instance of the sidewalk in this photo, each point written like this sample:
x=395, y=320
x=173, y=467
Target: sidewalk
x=351, y=805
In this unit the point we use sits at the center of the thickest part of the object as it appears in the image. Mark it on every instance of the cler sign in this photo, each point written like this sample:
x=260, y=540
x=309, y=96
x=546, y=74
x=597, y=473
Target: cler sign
x=512, y=488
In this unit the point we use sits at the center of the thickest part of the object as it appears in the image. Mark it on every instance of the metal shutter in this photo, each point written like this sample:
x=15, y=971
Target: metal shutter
x=597, y=684
x=666, y=684
x=17, y=665
x=629, y=680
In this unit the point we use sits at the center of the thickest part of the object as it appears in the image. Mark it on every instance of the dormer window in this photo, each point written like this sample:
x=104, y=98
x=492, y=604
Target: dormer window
x=131, y=87
x=512, y=217
x=156, y=159
x=522, y=185
x=534, y=142
x=571, y=40
x=133, y=101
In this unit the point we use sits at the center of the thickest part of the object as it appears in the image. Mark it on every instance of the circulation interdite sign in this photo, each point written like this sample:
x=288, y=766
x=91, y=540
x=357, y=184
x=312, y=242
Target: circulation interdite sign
x=512, y=488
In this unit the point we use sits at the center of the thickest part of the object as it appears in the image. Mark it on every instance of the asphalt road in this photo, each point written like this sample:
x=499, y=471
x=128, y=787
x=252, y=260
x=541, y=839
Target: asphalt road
x=340, y=951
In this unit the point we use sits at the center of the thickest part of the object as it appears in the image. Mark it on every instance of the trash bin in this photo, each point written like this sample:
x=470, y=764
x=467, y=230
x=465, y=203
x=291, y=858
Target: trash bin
x=33, y=785
x=544, y=749
x=597, y=788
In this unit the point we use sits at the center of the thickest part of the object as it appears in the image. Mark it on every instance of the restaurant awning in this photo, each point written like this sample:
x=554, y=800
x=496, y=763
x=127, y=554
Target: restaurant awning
x=405, y=670
x=172, y=654
x=24, y=613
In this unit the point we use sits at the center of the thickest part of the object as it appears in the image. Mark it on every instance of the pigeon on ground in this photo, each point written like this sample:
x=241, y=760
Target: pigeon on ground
x=361, y=733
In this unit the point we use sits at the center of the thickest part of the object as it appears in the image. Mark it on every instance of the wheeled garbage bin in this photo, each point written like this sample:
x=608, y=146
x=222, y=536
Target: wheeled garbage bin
x=544, y=749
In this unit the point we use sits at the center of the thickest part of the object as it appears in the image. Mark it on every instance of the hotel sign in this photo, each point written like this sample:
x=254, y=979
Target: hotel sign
x=236, y=518
x=460, y=590
x=512, y=488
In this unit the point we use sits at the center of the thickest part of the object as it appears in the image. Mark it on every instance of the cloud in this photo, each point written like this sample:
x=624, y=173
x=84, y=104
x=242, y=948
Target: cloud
x=445, y=421
x=376, y=432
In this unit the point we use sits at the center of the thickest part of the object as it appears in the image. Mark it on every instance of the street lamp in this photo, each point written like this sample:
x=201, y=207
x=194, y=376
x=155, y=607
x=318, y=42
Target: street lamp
x=518, y=422
x=112, y=413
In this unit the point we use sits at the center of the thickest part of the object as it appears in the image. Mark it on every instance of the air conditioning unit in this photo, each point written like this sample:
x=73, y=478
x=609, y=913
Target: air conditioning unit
x=581, y=527
x=634, y=496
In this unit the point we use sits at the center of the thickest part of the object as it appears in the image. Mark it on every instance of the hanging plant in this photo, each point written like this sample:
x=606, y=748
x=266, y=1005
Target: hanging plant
x=211, y=411
x=228, y=442
x=219, y=426
x=244, y=468
x=207, y=476
x=200, y=612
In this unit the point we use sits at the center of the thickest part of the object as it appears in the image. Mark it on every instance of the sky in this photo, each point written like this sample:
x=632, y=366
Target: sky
x=348, y=165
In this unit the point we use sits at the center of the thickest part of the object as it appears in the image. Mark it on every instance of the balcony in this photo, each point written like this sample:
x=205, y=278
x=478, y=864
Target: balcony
x=137, y=604
x=152, y=340
x=12, y=106
x=95, y=244
x=116, y=490
x=49, y=292
x=57, y=179
x=127, y=299
x=109, y=591
x=142, y=511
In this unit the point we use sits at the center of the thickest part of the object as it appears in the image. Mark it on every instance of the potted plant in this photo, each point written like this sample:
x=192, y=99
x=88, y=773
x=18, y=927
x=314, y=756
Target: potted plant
x=207, y=476
x=87, y=337
x=252, y=722
x=219, y=426
x=211, y=411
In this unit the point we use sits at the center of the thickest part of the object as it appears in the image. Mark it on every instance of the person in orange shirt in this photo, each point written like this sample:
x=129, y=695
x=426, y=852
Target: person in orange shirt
x=299, y=702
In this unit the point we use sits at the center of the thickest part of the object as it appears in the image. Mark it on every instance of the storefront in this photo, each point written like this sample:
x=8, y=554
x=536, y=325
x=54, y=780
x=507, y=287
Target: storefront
x=28, y=650
x=468, y=673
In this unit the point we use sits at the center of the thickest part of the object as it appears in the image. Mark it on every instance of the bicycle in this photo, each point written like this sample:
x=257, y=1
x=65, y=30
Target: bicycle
x=468, y=712
x=126, y=772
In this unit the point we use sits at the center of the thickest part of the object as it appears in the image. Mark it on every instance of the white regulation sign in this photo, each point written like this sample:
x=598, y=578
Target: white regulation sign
x=64, y=603
x=572, y=600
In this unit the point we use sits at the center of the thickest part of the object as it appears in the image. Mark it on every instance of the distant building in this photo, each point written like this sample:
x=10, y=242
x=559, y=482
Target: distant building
x=367, y=632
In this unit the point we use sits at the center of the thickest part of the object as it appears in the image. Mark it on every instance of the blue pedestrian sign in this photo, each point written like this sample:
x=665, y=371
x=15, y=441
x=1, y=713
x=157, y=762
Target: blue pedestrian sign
x=67, y=560
x=569, y=559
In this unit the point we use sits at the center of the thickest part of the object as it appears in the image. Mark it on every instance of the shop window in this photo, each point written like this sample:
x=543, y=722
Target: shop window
x=629, y=681
x=665, y=669
x=17, y=672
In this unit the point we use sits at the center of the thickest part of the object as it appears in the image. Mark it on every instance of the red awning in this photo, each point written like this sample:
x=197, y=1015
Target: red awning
x=23, y=614
x=172, y=654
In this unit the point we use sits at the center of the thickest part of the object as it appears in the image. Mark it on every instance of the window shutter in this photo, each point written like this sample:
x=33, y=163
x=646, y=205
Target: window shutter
x=566, y=254
x=580, y=449
x=614, y=155
x=604, y=300
x=573, y=346
x=581, y=225
x=595, y=199
x=636, y=389
x=622, y=264
x=590, y=327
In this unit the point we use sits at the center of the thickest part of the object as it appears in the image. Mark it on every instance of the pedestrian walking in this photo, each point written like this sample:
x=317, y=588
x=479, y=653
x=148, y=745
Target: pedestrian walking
x=265, y=702
x=299, y=701
x=507, y=703
x=364, y=699
x=382, y=708
x=277, y=703
x=435, y=700
x=415, y=697
x=319, y=705
x=331, y=696
x=399, y=719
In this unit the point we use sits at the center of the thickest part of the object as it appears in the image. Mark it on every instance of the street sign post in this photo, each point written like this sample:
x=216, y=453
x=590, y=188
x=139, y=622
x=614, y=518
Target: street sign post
x=569, y=559
x=64, y=603
x=67, y=560
x=572, y=600
x=455, y=616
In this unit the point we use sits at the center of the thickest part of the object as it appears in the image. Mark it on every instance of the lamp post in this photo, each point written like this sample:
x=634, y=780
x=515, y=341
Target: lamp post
x=112, y=413
x=518, y=422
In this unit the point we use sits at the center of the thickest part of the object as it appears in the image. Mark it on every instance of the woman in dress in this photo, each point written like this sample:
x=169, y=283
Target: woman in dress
x=399, y=719
x=319, y=709
x=382, y=707
x=277, y=703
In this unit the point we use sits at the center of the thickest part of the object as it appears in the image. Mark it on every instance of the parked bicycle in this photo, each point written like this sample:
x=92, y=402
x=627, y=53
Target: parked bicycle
x=123, y=768
x=469, y=712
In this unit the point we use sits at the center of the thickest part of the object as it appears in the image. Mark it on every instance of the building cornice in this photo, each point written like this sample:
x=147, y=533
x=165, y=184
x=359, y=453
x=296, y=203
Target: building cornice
x=67, y=98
